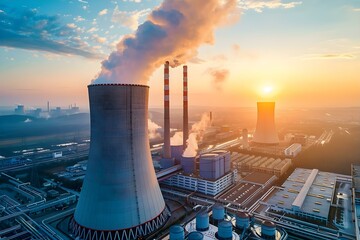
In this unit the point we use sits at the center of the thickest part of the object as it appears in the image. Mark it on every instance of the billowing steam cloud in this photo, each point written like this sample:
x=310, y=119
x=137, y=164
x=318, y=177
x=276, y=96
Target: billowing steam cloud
x=172, y=32
x=177, y=139
x=153, y=130
x=192, y=146
x=197, y=133
x=219, y=76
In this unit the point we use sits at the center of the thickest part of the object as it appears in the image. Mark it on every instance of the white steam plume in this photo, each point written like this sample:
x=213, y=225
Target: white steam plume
x=172, y=32
x=197, y=132
x=192, y=146
x=177, y=139
x=153, y=130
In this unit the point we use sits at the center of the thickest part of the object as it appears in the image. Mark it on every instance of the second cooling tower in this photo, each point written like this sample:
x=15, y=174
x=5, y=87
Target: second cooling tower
x=120, y=197
x=265, y=132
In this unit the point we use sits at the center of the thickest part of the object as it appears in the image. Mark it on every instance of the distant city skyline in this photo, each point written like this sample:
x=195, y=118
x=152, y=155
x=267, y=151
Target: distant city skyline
x=306, y=52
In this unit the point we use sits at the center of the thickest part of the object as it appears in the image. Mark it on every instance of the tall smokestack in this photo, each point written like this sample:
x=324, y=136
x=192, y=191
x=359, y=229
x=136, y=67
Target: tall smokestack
x=120, y=197
x=185, y=107
x=167, y=149
x=48, y=106
x=210, y=116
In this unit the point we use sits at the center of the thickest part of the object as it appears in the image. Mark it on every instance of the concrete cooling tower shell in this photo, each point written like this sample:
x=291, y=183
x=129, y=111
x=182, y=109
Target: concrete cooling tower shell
x=120, y=197
x=265, y=132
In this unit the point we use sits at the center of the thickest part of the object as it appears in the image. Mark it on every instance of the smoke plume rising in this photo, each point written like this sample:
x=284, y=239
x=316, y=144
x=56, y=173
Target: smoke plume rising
x=153, y=130
x=196, y=134
x=219, y=76
x=192, y=146
x=172, y=32
x=177, y=139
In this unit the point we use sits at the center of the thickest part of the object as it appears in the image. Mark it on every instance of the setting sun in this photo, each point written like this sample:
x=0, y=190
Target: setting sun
x=267, y=89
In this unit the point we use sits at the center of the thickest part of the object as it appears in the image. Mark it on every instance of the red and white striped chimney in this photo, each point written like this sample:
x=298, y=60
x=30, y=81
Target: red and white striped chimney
x=185, y=107
x=167, y=149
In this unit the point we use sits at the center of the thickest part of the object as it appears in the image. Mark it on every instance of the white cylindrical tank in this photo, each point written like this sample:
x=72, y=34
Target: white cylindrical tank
x=177, y=233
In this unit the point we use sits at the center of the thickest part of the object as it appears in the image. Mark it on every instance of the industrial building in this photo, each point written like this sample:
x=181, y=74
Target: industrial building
x=307, y=194
x=213, y=176
x=247, y=163
x=355, y=173
x=120, y=197
x=293, y=150
x=195, y=183
x=247, y=190
x=215, y=164
x=265, y=132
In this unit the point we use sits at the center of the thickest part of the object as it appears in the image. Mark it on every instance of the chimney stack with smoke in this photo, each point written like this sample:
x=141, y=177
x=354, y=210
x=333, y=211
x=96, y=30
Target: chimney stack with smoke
x=167, y=149
x=185, y=107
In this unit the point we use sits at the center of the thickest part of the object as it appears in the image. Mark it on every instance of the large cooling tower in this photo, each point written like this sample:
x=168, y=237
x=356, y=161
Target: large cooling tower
x=120, y=197
x=265, y=132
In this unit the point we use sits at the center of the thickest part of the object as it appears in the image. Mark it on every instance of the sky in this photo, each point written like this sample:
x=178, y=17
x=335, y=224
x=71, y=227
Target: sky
x=297, y=53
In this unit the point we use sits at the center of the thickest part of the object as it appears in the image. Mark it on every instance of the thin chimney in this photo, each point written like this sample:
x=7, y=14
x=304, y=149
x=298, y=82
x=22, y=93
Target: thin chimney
x=167, y=149
x=185, y=107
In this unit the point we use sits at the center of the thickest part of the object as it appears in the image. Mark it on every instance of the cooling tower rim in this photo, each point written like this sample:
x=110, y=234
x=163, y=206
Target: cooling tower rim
x=266, y=102
x=117, y=84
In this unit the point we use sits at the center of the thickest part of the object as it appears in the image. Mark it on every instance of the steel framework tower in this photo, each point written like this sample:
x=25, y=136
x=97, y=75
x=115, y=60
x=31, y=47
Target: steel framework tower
x=120, y=197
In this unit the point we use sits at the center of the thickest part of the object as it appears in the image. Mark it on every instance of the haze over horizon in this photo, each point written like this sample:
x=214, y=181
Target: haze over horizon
x=297, y=53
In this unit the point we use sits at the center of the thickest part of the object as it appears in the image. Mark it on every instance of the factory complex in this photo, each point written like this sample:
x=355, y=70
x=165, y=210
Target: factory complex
x=355, y=172
x=228, y=189
x=310, y=200
x=248, y=163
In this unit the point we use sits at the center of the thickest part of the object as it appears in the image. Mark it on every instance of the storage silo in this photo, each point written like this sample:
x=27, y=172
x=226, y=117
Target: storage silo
x=195, y=236
x=177, y=232
x=268, y=230
x=188, y=164
x=224, y=230
x=202, y=221
x=176, y=152
x=242, y=220
x=209, y=166
x=218, y=212
x=227, y=160
x=120, y=196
